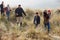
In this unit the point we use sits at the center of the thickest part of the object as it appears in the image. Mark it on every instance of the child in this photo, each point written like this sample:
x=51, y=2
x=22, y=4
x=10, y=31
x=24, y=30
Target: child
x=36, y=19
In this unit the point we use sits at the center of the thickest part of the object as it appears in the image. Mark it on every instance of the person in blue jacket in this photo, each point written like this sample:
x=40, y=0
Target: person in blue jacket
x=36, y=19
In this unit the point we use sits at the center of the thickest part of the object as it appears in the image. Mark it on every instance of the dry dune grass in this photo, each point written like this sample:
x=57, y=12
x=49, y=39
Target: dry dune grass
x=10, y=31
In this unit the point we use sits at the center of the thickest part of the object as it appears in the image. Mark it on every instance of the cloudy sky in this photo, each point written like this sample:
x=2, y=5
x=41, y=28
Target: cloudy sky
x=33, y=3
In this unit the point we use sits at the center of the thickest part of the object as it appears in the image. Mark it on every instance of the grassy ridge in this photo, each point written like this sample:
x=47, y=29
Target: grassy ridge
x=10, y=30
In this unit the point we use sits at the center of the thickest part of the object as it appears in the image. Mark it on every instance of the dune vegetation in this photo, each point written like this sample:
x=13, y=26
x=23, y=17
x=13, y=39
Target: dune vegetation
x=9, y=30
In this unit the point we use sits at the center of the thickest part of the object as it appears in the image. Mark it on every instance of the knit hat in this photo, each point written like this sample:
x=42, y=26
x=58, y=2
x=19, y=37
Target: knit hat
x=49, y=10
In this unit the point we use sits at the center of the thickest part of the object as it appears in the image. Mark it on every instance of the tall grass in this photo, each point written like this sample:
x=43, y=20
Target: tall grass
x=10, y=30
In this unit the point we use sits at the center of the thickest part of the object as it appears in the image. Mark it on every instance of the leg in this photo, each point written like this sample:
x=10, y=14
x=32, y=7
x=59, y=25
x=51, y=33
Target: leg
x=45, y=25
x=2, y=13
x=17, y=18
x=20, y=21
x=8, y=18
x=36, y=25
x=48, y=24
x=8, y=14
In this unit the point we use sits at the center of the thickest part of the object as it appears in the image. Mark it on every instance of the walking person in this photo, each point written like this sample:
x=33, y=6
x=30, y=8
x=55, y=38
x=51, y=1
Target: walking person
x=19, y=14
x=36, y=19
x=46, y=20
x=8, y=12
x=2, y=8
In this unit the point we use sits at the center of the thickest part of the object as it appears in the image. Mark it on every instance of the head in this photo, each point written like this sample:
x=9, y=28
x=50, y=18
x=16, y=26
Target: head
x=45, y=10
x=19, y=6
x=8, y=5
x=2, y=2
x=36, y=13
x=49, y=11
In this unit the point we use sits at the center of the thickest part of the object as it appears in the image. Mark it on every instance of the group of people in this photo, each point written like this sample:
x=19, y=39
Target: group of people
x=46, y=16
x=5, y=10
x=19, y=15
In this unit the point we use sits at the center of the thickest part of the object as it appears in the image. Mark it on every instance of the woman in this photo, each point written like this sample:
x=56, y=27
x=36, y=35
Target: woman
x=8, y=12
x=46, y=20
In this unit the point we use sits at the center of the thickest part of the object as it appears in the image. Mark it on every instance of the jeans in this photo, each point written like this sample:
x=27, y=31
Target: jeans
x=47, y=25
x=8, y=14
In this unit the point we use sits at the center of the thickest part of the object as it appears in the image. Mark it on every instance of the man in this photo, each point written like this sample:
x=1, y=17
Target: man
x=2, y=8
x=19, y=14
x=36, y=19
x=46, y=20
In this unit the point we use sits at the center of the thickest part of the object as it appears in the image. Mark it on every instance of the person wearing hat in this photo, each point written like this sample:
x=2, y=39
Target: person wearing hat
x=19, y=14
x=36, y=19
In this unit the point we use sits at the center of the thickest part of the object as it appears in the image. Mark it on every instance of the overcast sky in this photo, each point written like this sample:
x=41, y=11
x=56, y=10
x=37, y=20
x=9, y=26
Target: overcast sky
x=33, y=3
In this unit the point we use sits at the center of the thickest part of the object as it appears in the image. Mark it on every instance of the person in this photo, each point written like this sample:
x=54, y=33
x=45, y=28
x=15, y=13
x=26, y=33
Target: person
x=36, y=19
x=8, y=12
x=46, y=20
x=19, y=14
x=2, y=8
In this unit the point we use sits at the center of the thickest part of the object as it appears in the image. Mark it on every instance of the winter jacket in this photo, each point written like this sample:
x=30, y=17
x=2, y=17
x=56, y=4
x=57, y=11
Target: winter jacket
x=20, y=12
x=2, y=9
x=37, y=20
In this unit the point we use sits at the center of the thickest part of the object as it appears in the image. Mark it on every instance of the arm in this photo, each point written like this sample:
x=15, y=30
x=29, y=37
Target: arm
x=23, y=12
x=39, y=18
x=9, y=8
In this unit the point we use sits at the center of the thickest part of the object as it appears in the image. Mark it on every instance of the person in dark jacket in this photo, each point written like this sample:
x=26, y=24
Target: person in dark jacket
x=36, y=19
x=46, y=20
x=19, y=14
x=2, y=8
